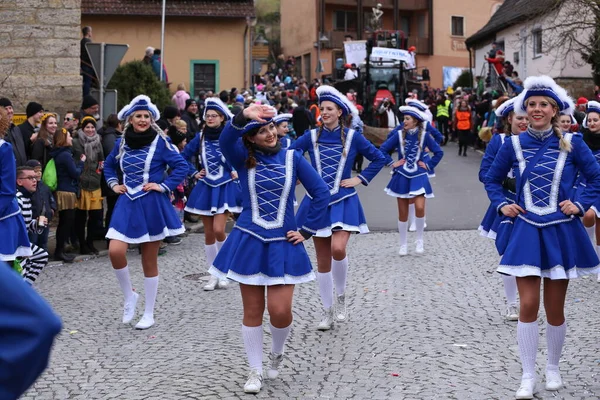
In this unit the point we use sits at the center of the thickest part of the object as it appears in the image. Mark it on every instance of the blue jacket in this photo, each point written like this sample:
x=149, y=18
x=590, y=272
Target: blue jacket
x=488, y=158
x=67, y=170
x=268, y=189
x=327, y=157
x=218, y=170
x=551, y=180
x=146, y=165
x=412, y=151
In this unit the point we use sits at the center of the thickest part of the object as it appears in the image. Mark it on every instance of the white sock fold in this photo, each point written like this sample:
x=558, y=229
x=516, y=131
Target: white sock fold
x=555, y=337
x=253, y=342
x=411, y=214
x=339, y=269
x=150, y=290
x=125, y=282
x=590, y=231
x=528, y=337
x=510, y=289
x=211, y=251
x=219, y=245
x=420, y=224
x=326, y=288
x=279, y=336
x=402, y=230
x=598, y=250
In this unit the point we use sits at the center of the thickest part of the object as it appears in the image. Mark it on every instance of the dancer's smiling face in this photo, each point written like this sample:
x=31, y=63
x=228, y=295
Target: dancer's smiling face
x=330, y=113
x=540, y=111
x=518, y=123
x=564, y=121
x=410, y=122
x=266, y=136
x=140, y=120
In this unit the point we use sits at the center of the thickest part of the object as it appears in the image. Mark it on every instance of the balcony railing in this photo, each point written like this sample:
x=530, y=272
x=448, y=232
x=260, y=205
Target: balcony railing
x=385, y=4
x=336, y=41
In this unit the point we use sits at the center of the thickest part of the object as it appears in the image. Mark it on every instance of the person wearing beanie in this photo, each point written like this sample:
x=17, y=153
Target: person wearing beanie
x=34, y=112
x=89, y=204
x=169, y=116
x=90, y=106
x=190, y=116
x=14, y=135
x=265, y=251
x=580, y=110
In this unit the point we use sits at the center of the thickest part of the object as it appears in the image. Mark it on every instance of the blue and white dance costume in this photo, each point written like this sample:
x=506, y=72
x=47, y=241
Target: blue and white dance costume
x=143, y=216
x=544, y=241
x=491, y=220
x=140, y=216
x=437, y=135
x=593, y=142
x=217, y=192
x=257, y=251
x=15, y=242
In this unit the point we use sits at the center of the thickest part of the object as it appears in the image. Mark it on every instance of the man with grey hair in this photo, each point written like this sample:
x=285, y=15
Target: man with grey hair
x=148, y=55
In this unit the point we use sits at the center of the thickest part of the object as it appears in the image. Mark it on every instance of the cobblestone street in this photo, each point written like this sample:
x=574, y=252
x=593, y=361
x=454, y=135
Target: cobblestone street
x=421, y=327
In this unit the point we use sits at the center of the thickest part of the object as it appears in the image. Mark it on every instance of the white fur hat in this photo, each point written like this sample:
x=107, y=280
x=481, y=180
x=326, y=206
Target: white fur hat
x=139, y=103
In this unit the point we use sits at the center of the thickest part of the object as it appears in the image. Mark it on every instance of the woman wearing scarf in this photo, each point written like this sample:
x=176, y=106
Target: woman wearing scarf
x=89, y=205
x=144, y=214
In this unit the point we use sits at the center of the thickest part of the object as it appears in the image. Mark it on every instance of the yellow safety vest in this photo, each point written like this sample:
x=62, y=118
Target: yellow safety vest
x=443, y=110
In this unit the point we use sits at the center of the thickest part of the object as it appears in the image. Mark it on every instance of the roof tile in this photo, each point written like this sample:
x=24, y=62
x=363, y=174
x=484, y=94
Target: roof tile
x=174, y=8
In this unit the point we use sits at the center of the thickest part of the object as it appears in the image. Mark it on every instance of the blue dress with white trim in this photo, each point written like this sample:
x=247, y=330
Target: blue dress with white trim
x=256, y=251
x=491, y=220
x=139, y=216
x=410, y=180
x=15, y=241
x=544, y=241
x=216, y=192
x=581, y=185
x=286, y=142
x=334, y=163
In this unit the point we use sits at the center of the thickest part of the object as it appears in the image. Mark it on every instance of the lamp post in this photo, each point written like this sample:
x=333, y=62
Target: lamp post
x=162, y=40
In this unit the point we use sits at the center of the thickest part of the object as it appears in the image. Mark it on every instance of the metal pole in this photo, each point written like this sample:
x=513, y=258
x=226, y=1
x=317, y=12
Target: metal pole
x=162, y=40
x=101, y=77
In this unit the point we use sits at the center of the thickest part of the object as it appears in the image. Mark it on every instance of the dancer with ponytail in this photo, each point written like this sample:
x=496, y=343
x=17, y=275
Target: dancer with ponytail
x=542, y=237
x=282, y=124
x=332, y=149
x=143, y=214
x=591, y=136
x=514, y=122
x=410, y=179
x=216, y=193
x=264, y=252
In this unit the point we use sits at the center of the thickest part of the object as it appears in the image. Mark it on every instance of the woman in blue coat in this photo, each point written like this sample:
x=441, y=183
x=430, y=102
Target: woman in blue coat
x=15, y=241
x=282, y=124
x=217, y=191
x=332, y=149
x=143, y=214
x=547, y=240
x=515, y=122
x=264, y=252
x=410, y=178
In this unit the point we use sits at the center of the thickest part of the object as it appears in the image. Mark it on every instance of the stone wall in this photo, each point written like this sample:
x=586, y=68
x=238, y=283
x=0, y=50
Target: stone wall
x=39, y=53
x=578, y=87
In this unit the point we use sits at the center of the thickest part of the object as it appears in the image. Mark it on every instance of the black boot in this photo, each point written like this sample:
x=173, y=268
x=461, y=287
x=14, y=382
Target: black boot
x=59, y=255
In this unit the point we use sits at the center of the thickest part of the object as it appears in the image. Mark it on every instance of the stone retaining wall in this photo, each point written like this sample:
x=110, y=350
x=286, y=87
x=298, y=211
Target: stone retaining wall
x=39, y=55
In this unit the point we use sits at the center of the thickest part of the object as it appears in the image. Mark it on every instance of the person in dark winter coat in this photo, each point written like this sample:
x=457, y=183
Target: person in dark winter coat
x=14, y=135
x=189, y=116
x=68, y=173
x=169, y=116
x=40, y=150
x=34, y=112
x=109, y=134
x=43, y=203
x=302, y=119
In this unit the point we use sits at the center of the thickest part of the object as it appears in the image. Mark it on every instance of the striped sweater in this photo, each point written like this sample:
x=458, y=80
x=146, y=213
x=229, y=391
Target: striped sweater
x=27, y=213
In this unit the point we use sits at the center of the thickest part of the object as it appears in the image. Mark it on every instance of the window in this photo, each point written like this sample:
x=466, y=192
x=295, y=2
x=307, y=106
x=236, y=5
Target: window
x=537, y=43
x=405, y=24
x=204, y=76
x=458, y=26
x=516, y=57
x=421, y=25
x=344, y=21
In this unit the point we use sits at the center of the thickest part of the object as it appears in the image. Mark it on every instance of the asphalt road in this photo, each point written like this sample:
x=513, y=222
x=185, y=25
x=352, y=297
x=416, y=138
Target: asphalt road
x=459, y=204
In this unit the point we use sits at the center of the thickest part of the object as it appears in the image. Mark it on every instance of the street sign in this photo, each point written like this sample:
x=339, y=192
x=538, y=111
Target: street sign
x=110, y=101
x=113, y=54
x=18, y=119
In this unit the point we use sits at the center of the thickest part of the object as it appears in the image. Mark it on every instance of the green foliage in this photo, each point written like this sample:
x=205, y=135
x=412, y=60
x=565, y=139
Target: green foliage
x=264, y=7
x=134, y=78
x=463, y=80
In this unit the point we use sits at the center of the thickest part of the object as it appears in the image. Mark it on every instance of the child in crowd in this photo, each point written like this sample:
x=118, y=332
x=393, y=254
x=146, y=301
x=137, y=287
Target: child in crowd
x=43, y=204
